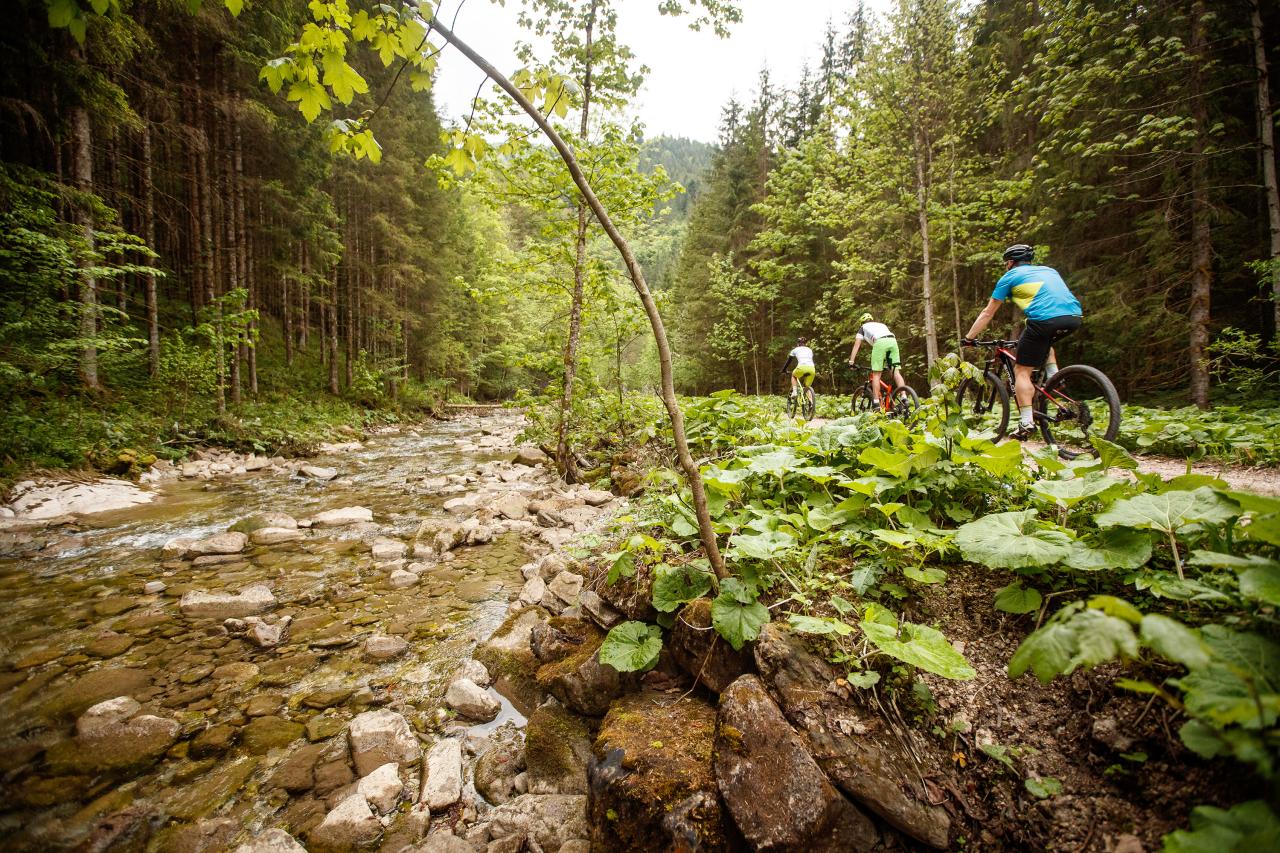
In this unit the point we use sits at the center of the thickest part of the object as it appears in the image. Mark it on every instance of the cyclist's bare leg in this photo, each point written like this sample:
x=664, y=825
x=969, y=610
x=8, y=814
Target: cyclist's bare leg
x=794, y=382
x=875, y=387
x=897, y=377
x=1051, y=366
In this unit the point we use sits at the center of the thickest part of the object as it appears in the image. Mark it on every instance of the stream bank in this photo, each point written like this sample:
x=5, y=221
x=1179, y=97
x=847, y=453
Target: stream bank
x=277, y=653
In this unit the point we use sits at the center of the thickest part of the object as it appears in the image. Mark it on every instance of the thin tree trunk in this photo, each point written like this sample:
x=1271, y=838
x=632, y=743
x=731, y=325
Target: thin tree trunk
x=564, y=455
x=687, y=463
x=333, y=334
x=149, y=213
x=82, y=173
x=926, y=283
x=286, y=319
x=1267, y=142
x=1201, y=239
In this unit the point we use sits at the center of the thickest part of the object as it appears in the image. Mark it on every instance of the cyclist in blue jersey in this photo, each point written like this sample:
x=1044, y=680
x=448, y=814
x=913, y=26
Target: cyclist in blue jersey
x=1051, y=311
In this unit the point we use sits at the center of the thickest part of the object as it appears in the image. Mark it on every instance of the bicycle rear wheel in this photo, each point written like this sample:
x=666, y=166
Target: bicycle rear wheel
x=904, y=402
x=1076, y=406
x=809, y=402
x=985, y=405
x=862, y=401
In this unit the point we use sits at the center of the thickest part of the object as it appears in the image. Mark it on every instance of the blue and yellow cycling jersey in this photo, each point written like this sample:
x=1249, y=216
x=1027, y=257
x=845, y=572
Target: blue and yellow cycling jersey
x=1039, y=291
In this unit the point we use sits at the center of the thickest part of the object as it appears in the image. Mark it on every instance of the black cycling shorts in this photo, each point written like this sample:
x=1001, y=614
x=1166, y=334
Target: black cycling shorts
x=1039, y=335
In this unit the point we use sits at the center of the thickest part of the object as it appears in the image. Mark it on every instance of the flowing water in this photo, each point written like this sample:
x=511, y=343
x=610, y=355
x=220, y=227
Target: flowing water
x=78, y=629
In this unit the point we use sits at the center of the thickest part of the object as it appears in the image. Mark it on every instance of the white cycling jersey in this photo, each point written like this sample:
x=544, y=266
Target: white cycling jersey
x=803, y=356
x=872, y=332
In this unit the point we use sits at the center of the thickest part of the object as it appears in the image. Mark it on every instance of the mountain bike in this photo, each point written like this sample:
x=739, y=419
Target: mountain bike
x=1076, y=406
x=806, y=401
x=900, y=402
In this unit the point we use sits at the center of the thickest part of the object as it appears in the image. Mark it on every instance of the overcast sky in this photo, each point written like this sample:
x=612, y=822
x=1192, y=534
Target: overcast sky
x=692, y=75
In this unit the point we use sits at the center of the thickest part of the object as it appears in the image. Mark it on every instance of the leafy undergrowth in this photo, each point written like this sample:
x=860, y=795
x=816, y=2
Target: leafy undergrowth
x=1249, y=436
x=855, y=532
x=84, y=432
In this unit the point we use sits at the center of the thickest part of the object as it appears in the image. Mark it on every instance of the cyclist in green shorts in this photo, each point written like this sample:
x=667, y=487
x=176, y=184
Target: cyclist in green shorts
x=883, y=346
x=800, y=358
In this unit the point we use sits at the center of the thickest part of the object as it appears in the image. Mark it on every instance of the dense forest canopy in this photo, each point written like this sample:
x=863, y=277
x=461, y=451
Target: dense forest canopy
x=181, y=236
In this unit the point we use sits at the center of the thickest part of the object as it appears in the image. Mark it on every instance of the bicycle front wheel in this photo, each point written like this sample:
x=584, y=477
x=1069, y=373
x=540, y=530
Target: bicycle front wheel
x=904, y=402
x=985, y=405
x=792, y=402
x=862, y=401
x=1076, y=406
x=810, y=404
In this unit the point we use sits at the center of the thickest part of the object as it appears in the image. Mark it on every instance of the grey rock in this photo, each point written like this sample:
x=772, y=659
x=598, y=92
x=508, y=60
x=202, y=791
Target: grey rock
x=383, y=788
x=221, y=605
x=566, y=586
x=350, y=824
x=380, y=647
x=443, y=785
x=779, y=798
x=598, y=609
x=530, y=456
x=222, y=543
x=381, y=736
x=154, y=587
x=549, y=820
x=103, y=716
x=475, y=671
x=342, y=517
x=385, y=549
x=275, y=535
x=472, y=701
x=318, y=472
x=401, y=579
x=272, y=841
x=533, y=591
x=853, y=745
x=596, y=497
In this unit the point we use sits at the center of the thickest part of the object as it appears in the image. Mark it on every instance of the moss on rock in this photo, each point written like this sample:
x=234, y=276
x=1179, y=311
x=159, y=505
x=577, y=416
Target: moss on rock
x=652, y=785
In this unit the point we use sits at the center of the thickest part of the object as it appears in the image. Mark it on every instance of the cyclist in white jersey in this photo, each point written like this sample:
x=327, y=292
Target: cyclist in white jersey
x=884, y=346
x=801, y=358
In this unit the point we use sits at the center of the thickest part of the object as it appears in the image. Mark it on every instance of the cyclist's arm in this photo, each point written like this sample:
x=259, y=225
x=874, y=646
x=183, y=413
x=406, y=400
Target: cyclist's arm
x=791, y=363
x=984, y=318
x=857, y=345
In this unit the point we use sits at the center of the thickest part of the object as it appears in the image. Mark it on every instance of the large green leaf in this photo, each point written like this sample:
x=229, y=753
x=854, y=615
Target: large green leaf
x=999, y=459
x=920, y=646
x=1170, y=511
x=1261, y=583
x=737, y=622
x=818, y=625
x=1241, y=684
x=1247, y=828
x=1015, y=598
x=1068, y=493
x=1173, y=640
x=674, y=586
x=895, y=463
x=1118, y=548
x=1011, y=540
x=632, y=647
x=1073, y=638
x=761, y=546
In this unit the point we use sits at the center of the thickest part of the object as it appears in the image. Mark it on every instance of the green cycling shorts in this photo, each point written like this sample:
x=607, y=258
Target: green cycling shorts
x=880, y=349
x=806, y=374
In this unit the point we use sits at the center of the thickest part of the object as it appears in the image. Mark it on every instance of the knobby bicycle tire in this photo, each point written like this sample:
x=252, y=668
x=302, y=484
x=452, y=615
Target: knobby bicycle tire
x=904, y=402
x=985, y=405
x=1071, y=406
x=862, y=401
x=808, y=403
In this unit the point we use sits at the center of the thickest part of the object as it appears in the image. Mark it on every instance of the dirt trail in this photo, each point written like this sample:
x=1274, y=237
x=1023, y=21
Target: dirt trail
x=1264, y=481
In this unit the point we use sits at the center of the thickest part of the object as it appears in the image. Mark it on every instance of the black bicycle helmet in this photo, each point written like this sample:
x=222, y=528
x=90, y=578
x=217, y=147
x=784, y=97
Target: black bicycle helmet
x=1019, y=252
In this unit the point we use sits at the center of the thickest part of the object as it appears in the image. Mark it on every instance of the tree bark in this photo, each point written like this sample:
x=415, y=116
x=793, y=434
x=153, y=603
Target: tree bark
x=926, y=280
x=687, y=464
x=565, y=460
x=333, y=334
x=1267, y=142
x=82, y=174
x=149, y=214
x=1201, y=239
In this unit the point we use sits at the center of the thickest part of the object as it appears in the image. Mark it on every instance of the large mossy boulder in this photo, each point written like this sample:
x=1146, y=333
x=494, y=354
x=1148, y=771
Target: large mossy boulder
x=853, y=744
x=778, y=796
x=557, y=750
x=510, y=661
x=579, y=680
x=652, y=784
x=702, y=653
x=632, y=597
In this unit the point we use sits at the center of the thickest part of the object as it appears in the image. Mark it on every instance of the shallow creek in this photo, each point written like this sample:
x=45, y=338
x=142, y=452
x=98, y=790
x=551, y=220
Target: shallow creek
x=79, y=629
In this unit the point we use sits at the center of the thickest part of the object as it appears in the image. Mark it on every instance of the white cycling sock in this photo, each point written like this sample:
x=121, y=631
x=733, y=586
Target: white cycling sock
x=1050, y=368
x=1024, y=416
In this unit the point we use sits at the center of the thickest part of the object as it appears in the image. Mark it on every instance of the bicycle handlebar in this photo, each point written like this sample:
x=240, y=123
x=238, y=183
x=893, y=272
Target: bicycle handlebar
x=977, y=343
